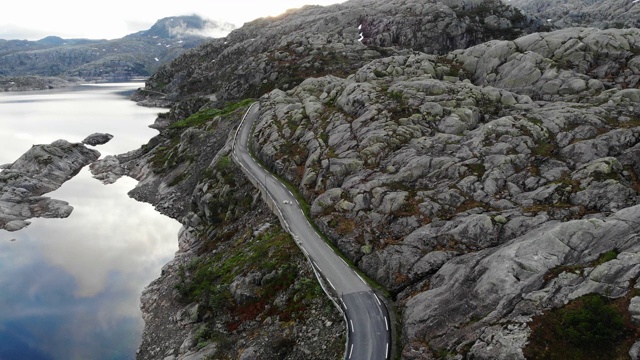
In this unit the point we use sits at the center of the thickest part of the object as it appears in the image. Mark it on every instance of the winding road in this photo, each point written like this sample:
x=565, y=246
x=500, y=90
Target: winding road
x=368, y=322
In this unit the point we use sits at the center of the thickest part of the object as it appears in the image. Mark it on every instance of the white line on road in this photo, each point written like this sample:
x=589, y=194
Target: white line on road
x=331, y=284
x=386, y=323
x=351, y=351
x=361, y=279
x=377, y=299
x=387, y=352
x=344, y=261
x=345, y=305
x=352, y=328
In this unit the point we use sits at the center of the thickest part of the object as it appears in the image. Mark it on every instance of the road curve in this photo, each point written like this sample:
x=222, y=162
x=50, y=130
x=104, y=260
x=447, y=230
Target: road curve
x=368, y=323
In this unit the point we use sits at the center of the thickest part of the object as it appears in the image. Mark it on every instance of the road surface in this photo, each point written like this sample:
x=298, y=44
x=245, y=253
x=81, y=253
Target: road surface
x=369, y=328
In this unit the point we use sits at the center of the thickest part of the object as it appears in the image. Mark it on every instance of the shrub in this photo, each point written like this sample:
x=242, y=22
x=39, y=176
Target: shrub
x=591, y=324
x=590, y=327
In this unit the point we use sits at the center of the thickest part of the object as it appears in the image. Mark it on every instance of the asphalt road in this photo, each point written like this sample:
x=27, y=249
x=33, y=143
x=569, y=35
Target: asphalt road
x=367, y=318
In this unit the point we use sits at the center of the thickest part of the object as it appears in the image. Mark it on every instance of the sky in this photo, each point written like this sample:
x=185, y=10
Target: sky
x=34, y=20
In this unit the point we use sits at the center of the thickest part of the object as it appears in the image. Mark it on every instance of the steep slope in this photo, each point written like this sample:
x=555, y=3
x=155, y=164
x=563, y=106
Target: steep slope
x=314, y=41
x=238, y=286
x=596, y=13
x=135, y=55
x=489, y=179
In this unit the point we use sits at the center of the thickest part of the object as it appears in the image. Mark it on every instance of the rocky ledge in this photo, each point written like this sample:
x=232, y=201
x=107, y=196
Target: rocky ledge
x=40, y=170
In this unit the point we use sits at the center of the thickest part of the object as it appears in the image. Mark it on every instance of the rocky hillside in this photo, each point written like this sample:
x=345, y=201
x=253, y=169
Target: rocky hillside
x=595, y=13
x=468, y=182
x=482, y=171
x=135, y=55
x=238, y=288
x=315, y=41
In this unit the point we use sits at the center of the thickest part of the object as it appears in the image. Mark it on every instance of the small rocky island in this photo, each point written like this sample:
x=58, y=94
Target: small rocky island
x=42, y=169
x=33, y=83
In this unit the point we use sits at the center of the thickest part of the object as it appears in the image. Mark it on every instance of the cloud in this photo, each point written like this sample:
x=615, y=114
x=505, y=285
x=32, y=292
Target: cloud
x=92, y=246
x=211, y=29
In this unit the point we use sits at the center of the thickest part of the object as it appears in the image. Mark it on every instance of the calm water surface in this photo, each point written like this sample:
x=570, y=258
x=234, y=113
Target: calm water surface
x=70, y=288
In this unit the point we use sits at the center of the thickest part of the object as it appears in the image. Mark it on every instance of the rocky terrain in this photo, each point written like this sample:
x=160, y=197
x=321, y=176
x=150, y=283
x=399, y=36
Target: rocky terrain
x=40, y=170
x=592, y=13
x=280, y=52
x=480, y=168
x=238, y=288
x=460, y=182
x=135, y=55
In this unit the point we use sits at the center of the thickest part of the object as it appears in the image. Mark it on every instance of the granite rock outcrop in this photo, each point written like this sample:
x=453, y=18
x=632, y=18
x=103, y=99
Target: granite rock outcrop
x=40, y=170
x=570, y=13
x=429, y=171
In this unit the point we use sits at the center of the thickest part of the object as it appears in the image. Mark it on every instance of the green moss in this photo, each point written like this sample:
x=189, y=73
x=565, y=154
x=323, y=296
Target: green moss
x=379, y=73
x=544, y=148
x=606, y=257
x=205, y=115
x=477, y=169
x=178, y=179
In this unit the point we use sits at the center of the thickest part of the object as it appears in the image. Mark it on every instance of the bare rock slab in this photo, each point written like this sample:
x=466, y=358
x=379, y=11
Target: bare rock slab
x=40, y=170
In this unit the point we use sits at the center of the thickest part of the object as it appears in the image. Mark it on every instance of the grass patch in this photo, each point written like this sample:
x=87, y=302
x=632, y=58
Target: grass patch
x=545, y=148
x=477, y=169
x=209, y=275
x=205, y=115
x=606, y=257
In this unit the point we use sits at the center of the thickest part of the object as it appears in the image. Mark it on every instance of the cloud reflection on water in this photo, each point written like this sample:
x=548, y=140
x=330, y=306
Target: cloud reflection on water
x=70, y=288
x=76, y=282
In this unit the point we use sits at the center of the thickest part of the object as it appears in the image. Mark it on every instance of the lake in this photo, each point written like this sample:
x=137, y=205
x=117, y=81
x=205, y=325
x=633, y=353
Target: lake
x=70, y=288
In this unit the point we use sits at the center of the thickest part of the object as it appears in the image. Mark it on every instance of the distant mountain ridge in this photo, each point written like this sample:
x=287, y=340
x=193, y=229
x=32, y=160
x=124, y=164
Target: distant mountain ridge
x=135, y=55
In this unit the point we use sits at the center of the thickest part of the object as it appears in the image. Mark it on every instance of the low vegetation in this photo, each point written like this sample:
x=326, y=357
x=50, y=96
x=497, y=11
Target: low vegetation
x=590, y=327
x=207, y=281
x=205, y=115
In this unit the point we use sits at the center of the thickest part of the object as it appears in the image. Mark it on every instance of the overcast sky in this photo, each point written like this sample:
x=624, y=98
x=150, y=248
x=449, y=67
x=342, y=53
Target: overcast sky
x=33, y=20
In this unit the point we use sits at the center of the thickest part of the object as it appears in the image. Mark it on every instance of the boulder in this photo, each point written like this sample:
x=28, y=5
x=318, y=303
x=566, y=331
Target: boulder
x=97, y=139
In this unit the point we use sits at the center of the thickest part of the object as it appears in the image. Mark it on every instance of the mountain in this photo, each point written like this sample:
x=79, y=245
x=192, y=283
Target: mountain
x=314, y=41
x=184, y=26
x=597, y=13
x=135, y=55
x=477, y=164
